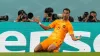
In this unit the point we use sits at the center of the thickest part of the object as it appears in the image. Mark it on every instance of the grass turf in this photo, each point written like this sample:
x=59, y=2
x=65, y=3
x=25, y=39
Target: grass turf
x=53, y=54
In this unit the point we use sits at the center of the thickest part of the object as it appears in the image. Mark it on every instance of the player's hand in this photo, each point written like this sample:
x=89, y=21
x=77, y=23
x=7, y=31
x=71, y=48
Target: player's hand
x=78, y=38
x=36, y=20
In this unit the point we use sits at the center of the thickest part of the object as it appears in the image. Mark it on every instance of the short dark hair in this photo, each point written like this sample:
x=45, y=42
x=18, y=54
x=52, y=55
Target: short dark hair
x=67, y=9
x=93, y=12
x=21, y=12
x=30, y=15
x=48, y=10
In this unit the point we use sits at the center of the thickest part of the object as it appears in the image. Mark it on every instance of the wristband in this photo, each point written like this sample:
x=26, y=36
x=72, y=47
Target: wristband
x=40, y=23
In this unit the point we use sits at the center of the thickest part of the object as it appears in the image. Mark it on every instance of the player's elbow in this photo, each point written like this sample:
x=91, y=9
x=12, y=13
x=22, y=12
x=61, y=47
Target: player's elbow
x=74, y=39
x=45, y=29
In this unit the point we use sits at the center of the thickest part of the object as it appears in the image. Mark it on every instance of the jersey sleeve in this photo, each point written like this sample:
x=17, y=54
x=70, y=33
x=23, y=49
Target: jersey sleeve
x=70, y=29
x=53, y=24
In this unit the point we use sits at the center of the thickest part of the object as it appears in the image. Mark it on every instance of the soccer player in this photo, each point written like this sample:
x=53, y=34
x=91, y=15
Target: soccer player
x=61, y=28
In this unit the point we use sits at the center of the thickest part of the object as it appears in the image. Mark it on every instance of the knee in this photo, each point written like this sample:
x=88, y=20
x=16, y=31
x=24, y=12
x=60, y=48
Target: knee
x=50, y=50
x=36, y=50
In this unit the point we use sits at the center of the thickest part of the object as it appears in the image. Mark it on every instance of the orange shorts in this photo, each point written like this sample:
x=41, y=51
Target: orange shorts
x=46, y=43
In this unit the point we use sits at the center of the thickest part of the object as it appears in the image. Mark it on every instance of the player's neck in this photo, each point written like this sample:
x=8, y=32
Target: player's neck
x=65, y=19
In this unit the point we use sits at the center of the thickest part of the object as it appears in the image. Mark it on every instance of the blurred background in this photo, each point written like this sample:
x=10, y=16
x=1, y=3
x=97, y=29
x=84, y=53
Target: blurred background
x=37, y=7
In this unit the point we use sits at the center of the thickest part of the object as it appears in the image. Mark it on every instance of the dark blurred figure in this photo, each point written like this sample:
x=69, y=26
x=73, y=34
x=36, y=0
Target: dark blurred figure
x=4, y=18
x=48, y=12
x=71, y=19
x=30, y=16
x=92, y=17
x=54, y=17
x=22, y=16
x=84, y=17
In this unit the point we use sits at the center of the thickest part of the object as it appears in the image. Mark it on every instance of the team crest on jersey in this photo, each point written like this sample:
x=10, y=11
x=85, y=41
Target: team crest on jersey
x=64, y=26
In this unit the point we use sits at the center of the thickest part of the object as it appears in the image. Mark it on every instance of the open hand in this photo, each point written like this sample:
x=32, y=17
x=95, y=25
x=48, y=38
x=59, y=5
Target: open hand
x=36, y=20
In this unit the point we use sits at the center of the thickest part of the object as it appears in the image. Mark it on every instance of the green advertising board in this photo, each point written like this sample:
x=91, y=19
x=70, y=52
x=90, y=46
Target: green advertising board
x=23, y=37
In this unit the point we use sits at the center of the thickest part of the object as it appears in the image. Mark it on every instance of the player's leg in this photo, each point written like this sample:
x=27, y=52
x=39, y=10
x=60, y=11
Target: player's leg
x=51, y=48
x=54, y=47
x=38, y=48
x=57, y=49
x=42, y=47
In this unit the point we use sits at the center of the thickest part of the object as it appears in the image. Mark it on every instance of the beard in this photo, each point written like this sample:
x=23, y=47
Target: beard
x=65, y=17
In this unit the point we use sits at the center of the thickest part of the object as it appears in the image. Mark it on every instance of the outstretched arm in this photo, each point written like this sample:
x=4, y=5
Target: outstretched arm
x=74, y=38
x=44, y=27
x=38, y=21
x=71, y=32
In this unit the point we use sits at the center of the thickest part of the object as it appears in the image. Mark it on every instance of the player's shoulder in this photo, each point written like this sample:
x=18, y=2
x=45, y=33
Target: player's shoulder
x=57, y=20
x=69, y=23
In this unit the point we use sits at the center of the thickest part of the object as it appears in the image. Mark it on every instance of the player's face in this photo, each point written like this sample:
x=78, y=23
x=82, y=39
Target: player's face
x=45, y=15
x=93, y=14
x=66, y=14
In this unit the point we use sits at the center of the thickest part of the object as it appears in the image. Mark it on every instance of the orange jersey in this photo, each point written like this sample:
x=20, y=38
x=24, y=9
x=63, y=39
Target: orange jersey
x=61, y=27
